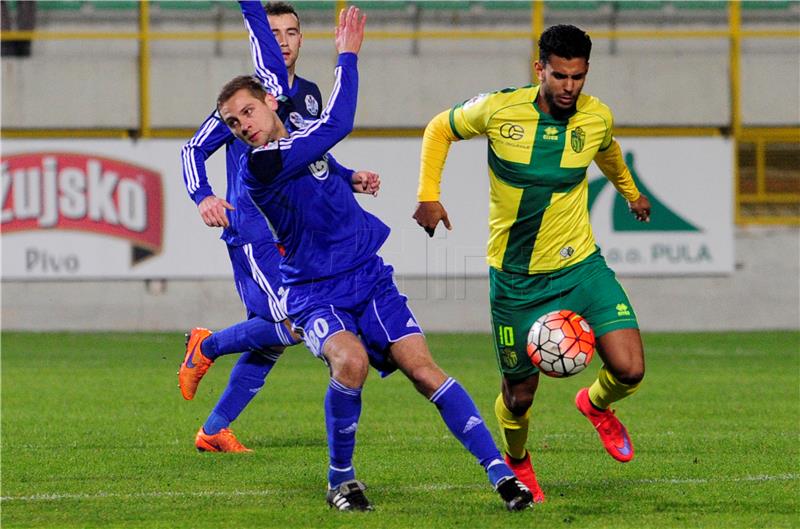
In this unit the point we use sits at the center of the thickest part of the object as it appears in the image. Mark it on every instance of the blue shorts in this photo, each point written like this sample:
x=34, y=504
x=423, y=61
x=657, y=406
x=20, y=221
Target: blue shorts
x=258, y=280
x=365, y=302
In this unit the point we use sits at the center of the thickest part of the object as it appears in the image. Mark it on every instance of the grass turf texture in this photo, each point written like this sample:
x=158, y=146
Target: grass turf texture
x=96, y=434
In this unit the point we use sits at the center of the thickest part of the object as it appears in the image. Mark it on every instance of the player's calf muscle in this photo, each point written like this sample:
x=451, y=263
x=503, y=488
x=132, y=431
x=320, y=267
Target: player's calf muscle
x=623, y=353
x=413, y=358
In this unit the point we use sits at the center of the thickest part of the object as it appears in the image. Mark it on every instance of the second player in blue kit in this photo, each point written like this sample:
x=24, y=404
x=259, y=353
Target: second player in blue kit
x=252, y=251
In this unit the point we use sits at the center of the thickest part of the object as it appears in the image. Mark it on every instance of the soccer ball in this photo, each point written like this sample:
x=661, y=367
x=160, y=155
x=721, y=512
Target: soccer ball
x=561, y=343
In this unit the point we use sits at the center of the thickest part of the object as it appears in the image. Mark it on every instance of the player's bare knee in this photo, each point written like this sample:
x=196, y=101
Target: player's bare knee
x=631, y=377
x=351, y=370
x=518, y=394
x=520, y=405
x=517, y=402
x=349, y=365
x=630, y=374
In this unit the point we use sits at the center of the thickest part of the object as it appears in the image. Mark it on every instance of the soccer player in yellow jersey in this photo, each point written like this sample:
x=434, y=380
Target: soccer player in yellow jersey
x=541, y=251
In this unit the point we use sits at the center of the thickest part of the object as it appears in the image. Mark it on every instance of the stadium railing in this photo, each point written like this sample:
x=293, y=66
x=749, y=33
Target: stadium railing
x=767, y=159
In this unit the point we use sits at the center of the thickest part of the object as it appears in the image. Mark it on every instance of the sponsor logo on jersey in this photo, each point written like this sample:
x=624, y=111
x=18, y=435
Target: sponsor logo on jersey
x=512, y=131
x=566, y=252
x=623, y=310
x=468, y=103
x=551, y=133
x=577, y=139
x=82, y=192
x=319, y=169
x=312, y=105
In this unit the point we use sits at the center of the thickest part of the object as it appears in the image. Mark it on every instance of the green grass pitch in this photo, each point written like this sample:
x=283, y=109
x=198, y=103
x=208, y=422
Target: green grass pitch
x=96, y=434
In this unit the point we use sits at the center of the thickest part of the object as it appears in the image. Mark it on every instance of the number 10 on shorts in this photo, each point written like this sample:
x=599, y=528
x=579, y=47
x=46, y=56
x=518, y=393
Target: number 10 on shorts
x=505, y=335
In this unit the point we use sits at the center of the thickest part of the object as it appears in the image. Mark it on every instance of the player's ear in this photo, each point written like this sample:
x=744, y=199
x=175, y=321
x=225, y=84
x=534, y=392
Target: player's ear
x=538, y=67
x=271, y=102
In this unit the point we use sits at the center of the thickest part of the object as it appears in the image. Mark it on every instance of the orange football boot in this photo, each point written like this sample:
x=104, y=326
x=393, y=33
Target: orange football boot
x=195, y=363
x=523, y=469
x=612, y=433
x=222, y=441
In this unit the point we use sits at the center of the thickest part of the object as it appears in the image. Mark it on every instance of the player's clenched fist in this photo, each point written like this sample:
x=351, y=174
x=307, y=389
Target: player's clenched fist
x=640, y=208
x=429, y=214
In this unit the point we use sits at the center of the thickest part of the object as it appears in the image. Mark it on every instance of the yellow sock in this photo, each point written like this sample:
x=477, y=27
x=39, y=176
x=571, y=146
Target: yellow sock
x=607, y=389
x=513, y=428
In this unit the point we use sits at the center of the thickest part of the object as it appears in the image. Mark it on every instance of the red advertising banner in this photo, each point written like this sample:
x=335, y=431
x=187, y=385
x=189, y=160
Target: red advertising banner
x=74, y=191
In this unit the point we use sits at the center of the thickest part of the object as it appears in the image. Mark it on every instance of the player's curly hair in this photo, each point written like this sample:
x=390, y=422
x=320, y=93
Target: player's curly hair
x=566, y=41
x=281, y=8
x=247, y=82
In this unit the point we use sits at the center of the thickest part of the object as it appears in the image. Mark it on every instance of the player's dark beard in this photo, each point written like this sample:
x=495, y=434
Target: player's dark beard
x=556, y=111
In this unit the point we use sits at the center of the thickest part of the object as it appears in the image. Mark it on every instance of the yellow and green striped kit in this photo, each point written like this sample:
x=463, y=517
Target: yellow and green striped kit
x=538, y=213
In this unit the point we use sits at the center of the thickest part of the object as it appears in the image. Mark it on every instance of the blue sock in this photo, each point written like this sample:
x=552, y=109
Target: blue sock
x=464, y=421
x=342, y=411
x=215, y=423
x=255, y=334
x=246, y=380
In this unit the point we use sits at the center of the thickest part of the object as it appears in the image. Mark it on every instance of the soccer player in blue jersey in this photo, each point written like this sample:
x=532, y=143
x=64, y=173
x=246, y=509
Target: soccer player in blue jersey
x=338, y=292
x=254, y=256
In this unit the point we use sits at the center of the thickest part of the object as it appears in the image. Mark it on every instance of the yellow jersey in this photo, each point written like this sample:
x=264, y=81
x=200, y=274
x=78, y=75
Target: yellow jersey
x=538, y=203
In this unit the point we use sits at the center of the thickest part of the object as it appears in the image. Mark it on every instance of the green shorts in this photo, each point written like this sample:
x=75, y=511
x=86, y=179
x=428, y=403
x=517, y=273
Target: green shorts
x=589, y=288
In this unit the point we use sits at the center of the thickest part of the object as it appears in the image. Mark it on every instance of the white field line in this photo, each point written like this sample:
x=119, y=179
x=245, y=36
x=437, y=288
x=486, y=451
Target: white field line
x=410, y=488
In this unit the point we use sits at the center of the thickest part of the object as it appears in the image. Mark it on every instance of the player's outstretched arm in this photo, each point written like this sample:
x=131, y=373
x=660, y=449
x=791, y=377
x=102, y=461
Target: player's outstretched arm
x=310, y=143
x=270, y=68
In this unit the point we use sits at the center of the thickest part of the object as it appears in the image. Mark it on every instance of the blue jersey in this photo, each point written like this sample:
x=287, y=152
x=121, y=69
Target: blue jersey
x=305, y=102
x=307, y=197
x=299, y=103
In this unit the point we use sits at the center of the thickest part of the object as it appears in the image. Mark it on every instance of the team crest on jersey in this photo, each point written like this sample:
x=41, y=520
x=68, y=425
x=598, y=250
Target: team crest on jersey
x=577, y=139
x=312, y=105
x=509, y=357
x=319, y=169
x=297, y=120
